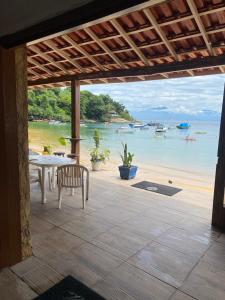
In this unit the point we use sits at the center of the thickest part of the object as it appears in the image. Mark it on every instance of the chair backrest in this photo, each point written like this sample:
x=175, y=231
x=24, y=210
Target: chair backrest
x=72, y=175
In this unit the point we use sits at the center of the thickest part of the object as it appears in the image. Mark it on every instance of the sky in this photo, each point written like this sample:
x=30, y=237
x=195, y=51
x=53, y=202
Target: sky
x=191, y=95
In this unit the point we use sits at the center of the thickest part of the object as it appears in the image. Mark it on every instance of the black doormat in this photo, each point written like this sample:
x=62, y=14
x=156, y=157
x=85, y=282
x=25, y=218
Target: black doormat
x=69, y=289
x=157, y=188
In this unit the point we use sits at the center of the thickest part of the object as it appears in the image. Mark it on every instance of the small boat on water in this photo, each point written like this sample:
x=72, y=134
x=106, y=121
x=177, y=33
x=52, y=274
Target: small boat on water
x=54, y=122
x=124, y=129
x=160, y=128
x=183, y=126
x=137, y=125
x=153, y=124
x=190, y=138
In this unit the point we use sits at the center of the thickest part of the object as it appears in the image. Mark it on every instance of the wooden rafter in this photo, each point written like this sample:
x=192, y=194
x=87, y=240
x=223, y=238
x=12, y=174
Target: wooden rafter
x=127, y=38
x=201, y=27
x=40, y=66
x=47, y=58
x=62, y=53
x=104, y=47
x=178, y=66
x=83, y=51
x=160, y=32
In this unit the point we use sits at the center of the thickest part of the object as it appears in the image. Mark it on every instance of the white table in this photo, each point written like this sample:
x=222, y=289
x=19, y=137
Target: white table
x=45, y=162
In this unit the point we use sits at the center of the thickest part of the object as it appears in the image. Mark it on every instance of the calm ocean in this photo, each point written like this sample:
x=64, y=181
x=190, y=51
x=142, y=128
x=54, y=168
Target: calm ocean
x=169, y=149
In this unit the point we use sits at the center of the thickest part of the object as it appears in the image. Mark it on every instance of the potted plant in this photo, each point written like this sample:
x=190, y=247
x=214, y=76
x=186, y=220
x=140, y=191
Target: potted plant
x=47, y=150
x=98, y=156
x=127, y=171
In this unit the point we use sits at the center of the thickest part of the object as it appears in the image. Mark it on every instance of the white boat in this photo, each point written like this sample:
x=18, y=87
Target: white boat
x=54, y=122
x=160, y=128
x=124, y=129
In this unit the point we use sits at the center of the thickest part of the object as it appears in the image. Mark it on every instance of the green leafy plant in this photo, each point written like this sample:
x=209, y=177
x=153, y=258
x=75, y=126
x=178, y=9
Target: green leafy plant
x=96, y=153
x=47, y=149
x=126, y=157
x=62, y=141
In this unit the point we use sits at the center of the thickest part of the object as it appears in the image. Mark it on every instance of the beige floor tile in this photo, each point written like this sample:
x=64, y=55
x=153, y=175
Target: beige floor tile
x=26, y=266
x=54, y=239
x=115, y=214
x=206, y=282
x=215, y=255
x=120, y=242
x=221, y=238
x=110, y=292
x=164, y=263
x=42, y=278
x=192, y=244
x=87, y=263
x=13, y=288
x=39, y=226
x=169, y=216
x=87, y=227
x=145, y=227
x=181, y=296
x=139, y=284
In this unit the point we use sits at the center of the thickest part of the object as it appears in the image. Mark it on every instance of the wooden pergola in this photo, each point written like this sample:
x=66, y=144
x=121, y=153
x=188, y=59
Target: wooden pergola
x=95, y=42
x=168, y=40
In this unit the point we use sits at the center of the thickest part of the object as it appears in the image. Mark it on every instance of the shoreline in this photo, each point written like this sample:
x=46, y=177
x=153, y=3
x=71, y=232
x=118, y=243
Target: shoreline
x=186, y=179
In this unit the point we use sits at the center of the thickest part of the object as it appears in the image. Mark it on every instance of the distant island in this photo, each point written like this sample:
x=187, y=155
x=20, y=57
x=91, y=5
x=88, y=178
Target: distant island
x=55, y=104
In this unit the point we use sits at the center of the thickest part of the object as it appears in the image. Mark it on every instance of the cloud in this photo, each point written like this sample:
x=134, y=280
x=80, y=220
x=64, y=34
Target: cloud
x=192, y=95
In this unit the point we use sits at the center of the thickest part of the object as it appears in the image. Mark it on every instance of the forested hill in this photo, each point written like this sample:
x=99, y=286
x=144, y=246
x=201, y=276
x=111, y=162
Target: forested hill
x=56, y=104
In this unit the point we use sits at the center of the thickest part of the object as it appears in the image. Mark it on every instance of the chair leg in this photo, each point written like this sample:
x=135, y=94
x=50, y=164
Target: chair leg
x=60, y=197
x=83, y=198
x=87, y=188
x=72, y=192
x=40, y=181
x=49, y=180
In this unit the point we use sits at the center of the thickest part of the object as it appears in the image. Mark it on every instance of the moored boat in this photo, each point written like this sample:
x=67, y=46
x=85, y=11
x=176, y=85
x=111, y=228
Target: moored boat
x=124, y=129
x=160, y=128
x=137, y=125
x=183, y=126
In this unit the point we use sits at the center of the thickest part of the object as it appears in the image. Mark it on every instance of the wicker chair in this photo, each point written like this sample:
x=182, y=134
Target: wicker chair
x=73, y=176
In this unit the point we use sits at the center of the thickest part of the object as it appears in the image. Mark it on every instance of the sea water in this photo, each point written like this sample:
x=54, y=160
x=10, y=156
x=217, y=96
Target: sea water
x=168, y=149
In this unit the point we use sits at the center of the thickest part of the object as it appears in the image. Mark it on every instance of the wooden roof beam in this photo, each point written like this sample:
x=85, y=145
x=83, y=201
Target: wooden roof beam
x=47, y=58
x=60, y=52
x=178, y=66
x=201, y=27
x=104, y=47
x=130, y=42
x=160, y=32
x=38, y=65
x=83, y=51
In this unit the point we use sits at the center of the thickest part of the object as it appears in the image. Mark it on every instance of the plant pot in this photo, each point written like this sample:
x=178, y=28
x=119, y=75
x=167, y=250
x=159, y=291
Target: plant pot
x=127, y=172
x=96, y=165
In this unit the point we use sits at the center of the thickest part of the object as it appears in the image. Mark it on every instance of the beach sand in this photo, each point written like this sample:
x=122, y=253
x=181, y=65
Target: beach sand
x=191, y=181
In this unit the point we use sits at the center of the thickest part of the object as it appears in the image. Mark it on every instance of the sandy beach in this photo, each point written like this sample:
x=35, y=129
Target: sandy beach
x=192, y=181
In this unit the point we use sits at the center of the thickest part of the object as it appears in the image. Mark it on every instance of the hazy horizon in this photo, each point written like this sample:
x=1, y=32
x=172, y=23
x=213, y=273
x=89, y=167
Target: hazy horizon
x=194, y=98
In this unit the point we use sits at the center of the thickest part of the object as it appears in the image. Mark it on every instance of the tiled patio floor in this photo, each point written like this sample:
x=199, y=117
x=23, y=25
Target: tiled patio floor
x=127, y=244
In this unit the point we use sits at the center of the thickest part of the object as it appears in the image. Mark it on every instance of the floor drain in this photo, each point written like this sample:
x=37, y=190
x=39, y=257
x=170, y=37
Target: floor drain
x=152, y=188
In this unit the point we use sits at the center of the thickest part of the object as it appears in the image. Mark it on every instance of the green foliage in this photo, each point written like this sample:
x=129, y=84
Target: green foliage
x=62, y=141
x=47, y=149
x=96, y=138
x=96, y=153
x=127, y=157
x=56, y=104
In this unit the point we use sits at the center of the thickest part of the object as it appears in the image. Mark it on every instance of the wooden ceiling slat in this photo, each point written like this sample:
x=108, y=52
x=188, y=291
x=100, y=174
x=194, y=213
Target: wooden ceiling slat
x=152, y=36
x=83, y=51
x=123, y=33
x=201, y=27
x=104, y=47
x=62, y=53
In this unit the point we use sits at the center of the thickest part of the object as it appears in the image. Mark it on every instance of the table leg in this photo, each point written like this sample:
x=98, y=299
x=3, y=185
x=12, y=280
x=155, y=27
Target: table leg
x=43, y=185
x=54, y=177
